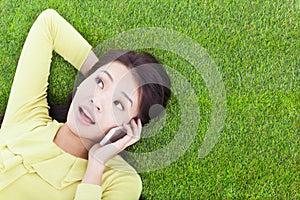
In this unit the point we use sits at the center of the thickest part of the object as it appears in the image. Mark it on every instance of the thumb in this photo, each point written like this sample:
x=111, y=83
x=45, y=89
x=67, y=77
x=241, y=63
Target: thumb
x=103, y=153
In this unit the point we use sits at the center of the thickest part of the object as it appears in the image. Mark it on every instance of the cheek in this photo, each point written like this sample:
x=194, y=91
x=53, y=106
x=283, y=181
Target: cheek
x=120, y=117
x=85, y=90
x=71, y=119
x=108, y=120
x=105, y=122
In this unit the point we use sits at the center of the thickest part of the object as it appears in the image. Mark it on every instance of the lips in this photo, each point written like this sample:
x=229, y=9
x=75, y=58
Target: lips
x=85, y=115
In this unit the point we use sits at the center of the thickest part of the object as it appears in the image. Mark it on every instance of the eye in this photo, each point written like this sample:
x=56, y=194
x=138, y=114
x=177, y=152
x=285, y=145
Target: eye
x=119, y=105
x=99, y=82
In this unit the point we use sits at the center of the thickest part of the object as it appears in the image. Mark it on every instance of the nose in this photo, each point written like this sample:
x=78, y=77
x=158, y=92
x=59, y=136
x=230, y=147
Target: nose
x=97, y=106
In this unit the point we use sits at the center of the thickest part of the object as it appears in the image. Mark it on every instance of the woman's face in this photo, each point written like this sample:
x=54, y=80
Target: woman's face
x=106, y=99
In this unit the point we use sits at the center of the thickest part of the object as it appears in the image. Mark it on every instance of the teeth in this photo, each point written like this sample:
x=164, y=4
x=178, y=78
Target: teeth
x=87, y=114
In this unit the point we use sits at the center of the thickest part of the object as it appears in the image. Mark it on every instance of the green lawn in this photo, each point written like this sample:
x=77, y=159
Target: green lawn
x=256, y=48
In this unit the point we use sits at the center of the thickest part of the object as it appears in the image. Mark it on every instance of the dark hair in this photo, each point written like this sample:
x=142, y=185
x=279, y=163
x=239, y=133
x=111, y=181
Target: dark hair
x=153, y=80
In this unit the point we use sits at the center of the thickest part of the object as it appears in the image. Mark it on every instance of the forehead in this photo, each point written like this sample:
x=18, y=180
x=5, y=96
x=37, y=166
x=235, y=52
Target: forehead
x=119, y=75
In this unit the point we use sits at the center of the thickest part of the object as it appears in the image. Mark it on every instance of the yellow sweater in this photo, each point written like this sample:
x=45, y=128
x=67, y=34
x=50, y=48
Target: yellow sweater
x=31, y=165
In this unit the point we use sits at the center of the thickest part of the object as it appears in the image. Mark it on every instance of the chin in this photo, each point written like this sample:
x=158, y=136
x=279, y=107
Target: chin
x=71, y=126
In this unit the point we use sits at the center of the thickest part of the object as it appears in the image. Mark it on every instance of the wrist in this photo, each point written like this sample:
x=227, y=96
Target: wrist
x=93, y=174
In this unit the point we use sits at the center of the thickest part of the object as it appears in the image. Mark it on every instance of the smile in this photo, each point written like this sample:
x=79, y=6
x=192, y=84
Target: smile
x=85, y=116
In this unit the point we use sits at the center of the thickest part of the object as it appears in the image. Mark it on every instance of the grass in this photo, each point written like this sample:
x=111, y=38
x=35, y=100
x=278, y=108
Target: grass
x=256, y=48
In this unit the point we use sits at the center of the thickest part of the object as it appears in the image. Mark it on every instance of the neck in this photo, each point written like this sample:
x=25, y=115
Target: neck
x=70, y=142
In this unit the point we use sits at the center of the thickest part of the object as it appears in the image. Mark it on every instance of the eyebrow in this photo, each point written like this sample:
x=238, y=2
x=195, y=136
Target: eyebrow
x=109, y=76
x=127, y=97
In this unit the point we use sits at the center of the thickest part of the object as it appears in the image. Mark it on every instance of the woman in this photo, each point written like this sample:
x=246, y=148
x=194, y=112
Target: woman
x=41, y=158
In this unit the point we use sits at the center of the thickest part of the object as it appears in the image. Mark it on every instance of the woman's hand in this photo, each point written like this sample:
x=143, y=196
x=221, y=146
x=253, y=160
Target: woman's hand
x=99, y=155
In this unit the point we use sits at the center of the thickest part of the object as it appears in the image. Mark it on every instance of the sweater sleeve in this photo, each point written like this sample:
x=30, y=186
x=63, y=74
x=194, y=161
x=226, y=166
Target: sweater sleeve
x=28, y=96
x=123, y=185
x=119, y=185
x=88, y=191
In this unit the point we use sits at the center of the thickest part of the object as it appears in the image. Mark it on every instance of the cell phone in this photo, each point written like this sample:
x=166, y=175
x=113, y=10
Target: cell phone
x=113, y=135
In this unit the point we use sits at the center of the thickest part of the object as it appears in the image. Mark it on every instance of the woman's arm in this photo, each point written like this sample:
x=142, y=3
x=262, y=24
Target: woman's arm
x=28, y=97
x=90, y=61
x=99, y=155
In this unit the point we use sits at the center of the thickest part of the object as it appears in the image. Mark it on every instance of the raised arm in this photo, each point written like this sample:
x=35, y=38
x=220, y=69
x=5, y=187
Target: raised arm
x=90, y=61
x=28, y=97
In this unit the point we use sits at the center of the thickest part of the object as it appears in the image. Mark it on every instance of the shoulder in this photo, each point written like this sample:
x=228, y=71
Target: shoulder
x=120, y=180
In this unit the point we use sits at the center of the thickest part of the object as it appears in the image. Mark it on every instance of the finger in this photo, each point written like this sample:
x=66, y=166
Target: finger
x=136, y=131
x=128, y=129
x=105, y=153
x=131, y=137
x=140, y=124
